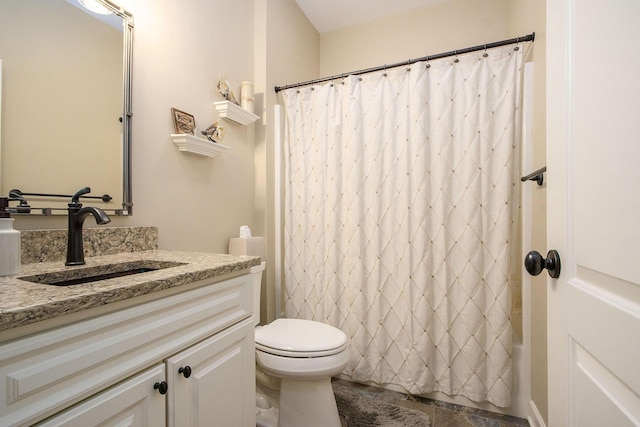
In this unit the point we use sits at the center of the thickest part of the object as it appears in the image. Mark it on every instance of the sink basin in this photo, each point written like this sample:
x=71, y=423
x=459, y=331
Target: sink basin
x=97, y=273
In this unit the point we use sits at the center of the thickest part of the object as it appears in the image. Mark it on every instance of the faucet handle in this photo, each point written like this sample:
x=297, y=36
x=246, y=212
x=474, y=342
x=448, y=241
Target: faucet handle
x=75, y=198
x=23, y=206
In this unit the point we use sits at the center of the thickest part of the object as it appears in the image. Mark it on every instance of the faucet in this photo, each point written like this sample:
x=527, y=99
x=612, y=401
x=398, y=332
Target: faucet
x=77, y=215
x=23, y=206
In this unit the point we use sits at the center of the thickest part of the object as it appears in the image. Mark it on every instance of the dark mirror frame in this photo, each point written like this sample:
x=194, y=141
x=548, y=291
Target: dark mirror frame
x=127, y=202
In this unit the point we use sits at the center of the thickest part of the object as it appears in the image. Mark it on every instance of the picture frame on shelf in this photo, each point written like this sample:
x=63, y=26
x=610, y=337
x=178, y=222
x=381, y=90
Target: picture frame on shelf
x=183, y=122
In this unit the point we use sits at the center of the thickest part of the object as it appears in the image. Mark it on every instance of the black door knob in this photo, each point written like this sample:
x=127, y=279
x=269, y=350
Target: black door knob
x=535, y=263
x=162, y=387
x=186, y=371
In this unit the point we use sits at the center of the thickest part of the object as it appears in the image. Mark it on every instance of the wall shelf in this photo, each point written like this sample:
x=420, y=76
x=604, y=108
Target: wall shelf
x=200, y=146
x=230, y=111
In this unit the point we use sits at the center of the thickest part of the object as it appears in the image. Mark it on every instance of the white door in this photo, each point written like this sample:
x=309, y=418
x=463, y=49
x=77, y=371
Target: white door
x=593, y=179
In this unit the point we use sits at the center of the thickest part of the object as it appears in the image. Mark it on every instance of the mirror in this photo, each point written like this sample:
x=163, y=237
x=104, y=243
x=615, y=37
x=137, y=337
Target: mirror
x=66, y=104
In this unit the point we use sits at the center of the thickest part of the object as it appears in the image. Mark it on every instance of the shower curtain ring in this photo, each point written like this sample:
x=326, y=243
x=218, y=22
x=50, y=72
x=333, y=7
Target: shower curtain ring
x=455, y=52
x=385, y=70
x=517, y=41
x=485, y=54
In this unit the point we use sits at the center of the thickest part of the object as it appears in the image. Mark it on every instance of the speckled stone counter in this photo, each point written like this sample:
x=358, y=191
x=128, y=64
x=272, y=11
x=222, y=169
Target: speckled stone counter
x=23, y=302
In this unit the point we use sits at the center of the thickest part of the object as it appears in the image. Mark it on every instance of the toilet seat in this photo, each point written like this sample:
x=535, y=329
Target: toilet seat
x=300, y=338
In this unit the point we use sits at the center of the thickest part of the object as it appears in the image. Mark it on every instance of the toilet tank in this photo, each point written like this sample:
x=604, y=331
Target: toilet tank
x=256, y=273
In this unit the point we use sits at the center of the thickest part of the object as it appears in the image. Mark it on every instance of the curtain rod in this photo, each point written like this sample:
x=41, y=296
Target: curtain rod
x=527, y=38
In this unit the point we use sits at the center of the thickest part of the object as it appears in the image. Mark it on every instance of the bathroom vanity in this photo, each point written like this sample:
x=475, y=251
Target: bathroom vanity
x=174, y=346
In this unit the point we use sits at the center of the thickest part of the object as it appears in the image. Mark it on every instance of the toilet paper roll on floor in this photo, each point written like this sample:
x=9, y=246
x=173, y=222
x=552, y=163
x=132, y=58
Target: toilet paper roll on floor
x=246, y=244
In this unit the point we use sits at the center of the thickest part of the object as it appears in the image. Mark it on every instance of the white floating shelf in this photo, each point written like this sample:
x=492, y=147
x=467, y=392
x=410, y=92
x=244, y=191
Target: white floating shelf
x=193, y=144
x=235, y=113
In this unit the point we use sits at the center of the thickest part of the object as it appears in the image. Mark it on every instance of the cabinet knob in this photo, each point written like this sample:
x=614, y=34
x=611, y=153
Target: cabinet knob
x=161, y=387
x=186, y=371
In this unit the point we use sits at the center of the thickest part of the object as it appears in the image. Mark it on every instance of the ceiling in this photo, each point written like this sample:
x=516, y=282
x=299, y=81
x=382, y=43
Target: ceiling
x=329, y=15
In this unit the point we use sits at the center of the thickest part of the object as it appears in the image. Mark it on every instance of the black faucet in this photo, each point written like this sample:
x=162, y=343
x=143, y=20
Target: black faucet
x=77, y=215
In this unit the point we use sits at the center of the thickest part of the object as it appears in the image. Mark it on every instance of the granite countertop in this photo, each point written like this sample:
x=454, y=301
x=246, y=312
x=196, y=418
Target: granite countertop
x=23, y=302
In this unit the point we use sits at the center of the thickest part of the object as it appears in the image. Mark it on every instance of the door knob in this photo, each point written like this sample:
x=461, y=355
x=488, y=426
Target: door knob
x=535, y=263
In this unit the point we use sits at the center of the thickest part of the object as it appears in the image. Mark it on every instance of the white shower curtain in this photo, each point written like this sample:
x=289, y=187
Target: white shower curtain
x=398, y=211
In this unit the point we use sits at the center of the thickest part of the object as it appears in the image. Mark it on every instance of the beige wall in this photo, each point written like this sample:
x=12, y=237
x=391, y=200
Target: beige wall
x=180, y=50
x=440, y=28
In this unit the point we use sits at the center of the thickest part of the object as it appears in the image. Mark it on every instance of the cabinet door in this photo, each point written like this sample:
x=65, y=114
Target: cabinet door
x=132, y=403
x=220, y=390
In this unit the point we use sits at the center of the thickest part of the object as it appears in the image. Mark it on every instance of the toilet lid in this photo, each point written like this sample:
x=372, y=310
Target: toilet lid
x=304, y=338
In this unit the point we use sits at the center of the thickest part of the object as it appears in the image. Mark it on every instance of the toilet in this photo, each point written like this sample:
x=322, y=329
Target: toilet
x=295, y=360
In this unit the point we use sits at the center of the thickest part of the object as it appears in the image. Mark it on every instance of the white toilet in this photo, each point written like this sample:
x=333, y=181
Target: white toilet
x=302, y=356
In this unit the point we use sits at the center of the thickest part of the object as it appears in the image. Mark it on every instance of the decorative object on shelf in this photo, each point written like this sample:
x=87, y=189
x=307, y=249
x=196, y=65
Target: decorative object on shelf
x=214, y=133
x=235, y=113
x=183, y=122
x=246, y=96
x=225, y=90
x=202, y=147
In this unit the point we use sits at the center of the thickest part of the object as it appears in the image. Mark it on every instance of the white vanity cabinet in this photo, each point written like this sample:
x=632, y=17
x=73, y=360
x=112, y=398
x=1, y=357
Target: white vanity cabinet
x=130, y=403
x=102, y=370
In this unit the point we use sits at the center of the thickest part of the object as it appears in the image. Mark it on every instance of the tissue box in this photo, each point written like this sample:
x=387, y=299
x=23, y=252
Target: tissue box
x=253, y=246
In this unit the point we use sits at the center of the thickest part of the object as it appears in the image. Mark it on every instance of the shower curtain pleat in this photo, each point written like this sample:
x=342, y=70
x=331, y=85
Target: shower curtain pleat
x=397, y=220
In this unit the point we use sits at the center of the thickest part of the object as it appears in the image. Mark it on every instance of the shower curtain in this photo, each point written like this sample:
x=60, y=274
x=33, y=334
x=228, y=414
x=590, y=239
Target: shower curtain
x=397, y=220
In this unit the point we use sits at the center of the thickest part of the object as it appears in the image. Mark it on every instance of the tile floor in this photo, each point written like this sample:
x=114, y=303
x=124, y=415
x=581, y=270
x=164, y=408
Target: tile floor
x=441, y=414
